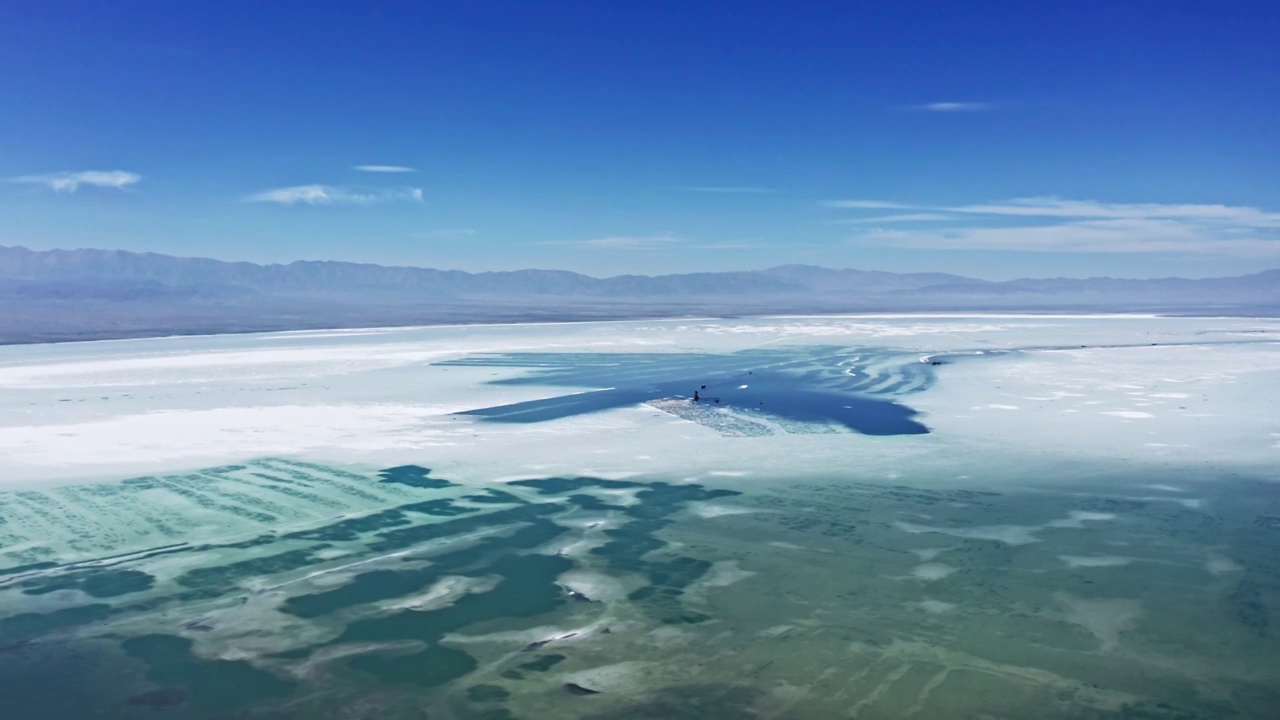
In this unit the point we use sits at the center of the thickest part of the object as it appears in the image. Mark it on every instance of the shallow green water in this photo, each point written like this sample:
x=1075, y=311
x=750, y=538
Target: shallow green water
x=328, y=593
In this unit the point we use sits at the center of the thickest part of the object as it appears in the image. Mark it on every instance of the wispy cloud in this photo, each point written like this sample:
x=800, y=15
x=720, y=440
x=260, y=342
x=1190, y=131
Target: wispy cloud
x=731, y=189
x=384, y=168
x=619, y=242
x=868, y=205
x=1055, y=207
x=630, y=242
x=1053, y=224
x=71, y=181
x=952, y=107
x=1089, y=236
x=329, y=195
x=901, y=218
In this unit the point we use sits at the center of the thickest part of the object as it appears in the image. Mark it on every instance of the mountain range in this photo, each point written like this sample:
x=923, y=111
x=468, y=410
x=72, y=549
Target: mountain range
x=57, y=295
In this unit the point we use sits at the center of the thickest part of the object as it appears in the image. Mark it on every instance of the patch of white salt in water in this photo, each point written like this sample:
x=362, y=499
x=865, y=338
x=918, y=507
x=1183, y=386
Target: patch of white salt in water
x=775, y=631
x=443, y=593
x=557, y=636
x=1105, y=618
x=1007, y=534
x=927, y=554
x=618, y=677
x=669, y=636
x=596, y=585
x=778, y=701
x=714, y=510
x=1077, y=519
x=724, y=573
x=1078, y=561
x=1220, y=565
x=330, y=554
x=935, y=607
x=931, y=571
x=1130, y=414
x=721, y=574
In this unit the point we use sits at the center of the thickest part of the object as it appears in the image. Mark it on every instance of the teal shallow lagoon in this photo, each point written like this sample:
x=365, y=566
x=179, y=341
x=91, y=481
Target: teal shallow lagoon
x=811, y=599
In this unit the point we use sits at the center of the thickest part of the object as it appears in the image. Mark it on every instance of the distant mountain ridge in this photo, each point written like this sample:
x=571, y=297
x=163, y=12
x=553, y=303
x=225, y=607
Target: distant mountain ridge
x=87, y=293
x=327, y=276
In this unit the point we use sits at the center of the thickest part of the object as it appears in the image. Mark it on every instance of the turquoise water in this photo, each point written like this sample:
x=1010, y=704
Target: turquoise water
x=1127, y=597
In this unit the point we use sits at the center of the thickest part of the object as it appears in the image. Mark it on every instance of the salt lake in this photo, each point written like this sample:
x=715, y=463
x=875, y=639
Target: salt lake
x=989, y=516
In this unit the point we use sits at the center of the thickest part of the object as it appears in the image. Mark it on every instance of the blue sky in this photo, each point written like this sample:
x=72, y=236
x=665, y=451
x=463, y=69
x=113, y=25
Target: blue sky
x=995, y=139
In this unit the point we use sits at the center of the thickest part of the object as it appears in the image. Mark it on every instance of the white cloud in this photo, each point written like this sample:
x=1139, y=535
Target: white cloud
x=955, y=106
x=868, y=205
x=384, y=168
x=1053, y=224
x=1086, y=236
x=1051, y=207
x=630, y=242
x=329, y=195
x=1056, y=207
x=71, y=181
x=904, y=217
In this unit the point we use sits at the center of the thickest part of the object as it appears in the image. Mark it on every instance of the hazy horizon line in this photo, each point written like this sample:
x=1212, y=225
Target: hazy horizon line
x=606, y=277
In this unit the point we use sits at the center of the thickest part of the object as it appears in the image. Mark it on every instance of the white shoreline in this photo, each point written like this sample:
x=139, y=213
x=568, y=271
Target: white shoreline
x=370, y=329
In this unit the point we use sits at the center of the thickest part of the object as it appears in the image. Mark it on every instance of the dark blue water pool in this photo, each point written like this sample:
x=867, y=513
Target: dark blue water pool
x=853, y=388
